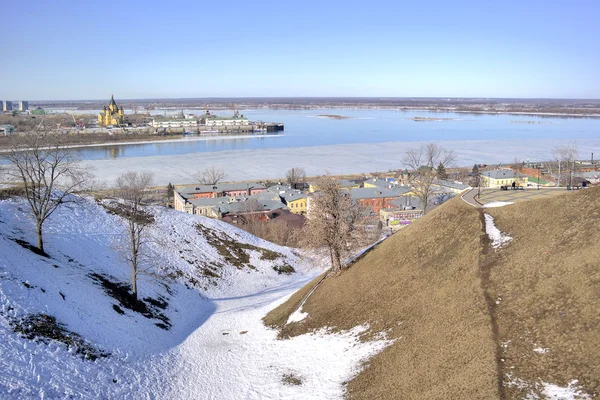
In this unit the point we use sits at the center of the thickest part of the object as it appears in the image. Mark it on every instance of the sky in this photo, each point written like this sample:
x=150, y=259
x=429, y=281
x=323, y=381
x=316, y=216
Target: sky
x=61, y=50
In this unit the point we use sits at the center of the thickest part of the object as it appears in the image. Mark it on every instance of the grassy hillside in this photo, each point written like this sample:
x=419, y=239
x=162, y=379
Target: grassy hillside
x=422, y=288
x=548, y=281
x=471, y=321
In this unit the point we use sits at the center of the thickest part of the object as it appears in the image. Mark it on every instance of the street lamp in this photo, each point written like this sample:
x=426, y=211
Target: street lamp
x=538, y=168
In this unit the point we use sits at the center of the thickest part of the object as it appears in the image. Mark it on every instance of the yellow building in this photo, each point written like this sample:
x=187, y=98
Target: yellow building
x=502, y=177
x=111, y=115
x=295, y=201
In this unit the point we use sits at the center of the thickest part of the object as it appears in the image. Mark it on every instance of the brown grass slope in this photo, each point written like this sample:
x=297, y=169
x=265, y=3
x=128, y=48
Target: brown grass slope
x=548, y=280
x=422, y=287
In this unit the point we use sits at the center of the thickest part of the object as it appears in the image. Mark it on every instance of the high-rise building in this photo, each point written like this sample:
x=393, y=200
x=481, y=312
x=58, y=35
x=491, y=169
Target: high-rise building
x=7, y=105
x=23, y=105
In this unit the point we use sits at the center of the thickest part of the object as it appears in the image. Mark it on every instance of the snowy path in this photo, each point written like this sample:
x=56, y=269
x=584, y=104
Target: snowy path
x=219, y=361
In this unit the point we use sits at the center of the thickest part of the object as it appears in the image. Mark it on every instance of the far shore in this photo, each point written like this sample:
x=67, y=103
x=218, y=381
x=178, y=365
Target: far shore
x=161, y=139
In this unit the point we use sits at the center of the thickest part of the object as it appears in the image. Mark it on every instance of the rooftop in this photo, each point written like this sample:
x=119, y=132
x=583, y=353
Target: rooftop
x=503, y=174
x=454, y=185
x=292, y=195
x=219, y=187
x=372, y=193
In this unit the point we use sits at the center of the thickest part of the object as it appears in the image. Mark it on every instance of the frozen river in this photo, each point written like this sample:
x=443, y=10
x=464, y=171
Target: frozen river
x=368, y=141
x=304, y=128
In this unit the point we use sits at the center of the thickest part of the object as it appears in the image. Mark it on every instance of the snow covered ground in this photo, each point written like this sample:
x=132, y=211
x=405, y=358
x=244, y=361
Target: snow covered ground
x=498, y=238
x=494, y=204
x=272, y=163
x=215, y=347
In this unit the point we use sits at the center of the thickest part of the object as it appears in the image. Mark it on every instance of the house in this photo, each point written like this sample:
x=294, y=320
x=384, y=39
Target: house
x=502, y=177
x=378, y=182
x=222, y=190
x=7, y=130
x=280, y=215
x=593, y=177
x=218, y=207
x=402, y=212
x=374, y=198
x=295, y=200
x=343, y=183
x=454, y=187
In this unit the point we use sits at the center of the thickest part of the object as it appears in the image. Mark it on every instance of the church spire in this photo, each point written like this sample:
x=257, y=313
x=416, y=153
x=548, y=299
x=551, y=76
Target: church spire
x=112, y=101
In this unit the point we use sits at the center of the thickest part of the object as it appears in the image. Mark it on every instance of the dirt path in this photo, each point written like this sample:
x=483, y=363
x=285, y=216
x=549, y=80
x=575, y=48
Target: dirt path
x=486, y=262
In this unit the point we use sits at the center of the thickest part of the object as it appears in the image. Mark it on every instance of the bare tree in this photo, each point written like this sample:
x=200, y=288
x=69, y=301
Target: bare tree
x=210, y=176
x=132, y=188
x=564, y=160
x=295, y=176
x=49, y=172
x=334, y=221
x=423, y=162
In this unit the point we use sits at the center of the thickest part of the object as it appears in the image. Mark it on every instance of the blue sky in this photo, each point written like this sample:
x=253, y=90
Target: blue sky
x=150, y=49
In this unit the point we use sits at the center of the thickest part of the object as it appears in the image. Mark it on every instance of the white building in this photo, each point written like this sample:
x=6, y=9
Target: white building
x=226, y=121
x=169, y=123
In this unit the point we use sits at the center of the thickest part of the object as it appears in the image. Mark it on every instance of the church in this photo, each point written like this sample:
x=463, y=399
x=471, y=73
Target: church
x=111, y=115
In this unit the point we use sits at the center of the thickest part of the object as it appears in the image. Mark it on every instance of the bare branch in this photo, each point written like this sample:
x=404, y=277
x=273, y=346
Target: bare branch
x=132, y=188
x=210, y=176
x=295, y=176
x=334, y=221
x=422, y=163
x=49, y=171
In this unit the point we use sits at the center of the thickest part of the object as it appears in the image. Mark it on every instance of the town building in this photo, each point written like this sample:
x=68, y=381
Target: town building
x=374, y=198
x=214, y=121
x=187, y=122
x=280, y=215
x=402, y=212
x=343, y=183
x=7, y=106
x=258, y=205
x=23, y=106
x=593, y=177
x=111, y=115
x=502, y=177
x=295, y=200
x=378, y=182
x=7, y=130
x=222, y=190
x=454, y=187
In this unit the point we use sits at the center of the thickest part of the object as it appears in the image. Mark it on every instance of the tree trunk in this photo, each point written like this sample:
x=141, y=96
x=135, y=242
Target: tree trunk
x=337, y=263
x=134, y=285
x=40, y=240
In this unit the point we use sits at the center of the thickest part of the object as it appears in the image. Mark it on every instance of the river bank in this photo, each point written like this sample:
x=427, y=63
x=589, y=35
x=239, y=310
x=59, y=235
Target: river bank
x=149, y=139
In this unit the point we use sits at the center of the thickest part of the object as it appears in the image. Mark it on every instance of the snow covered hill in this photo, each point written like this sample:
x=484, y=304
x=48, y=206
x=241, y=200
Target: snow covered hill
x=69, y=326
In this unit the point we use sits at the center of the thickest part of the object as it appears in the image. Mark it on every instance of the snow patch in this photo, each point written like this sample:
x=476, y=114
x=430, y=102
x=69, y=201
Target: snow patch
x=571, y=392
x=541, y=350
x=549, y=391
x=297, y=316
x=498, y=238
x=498, y=204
